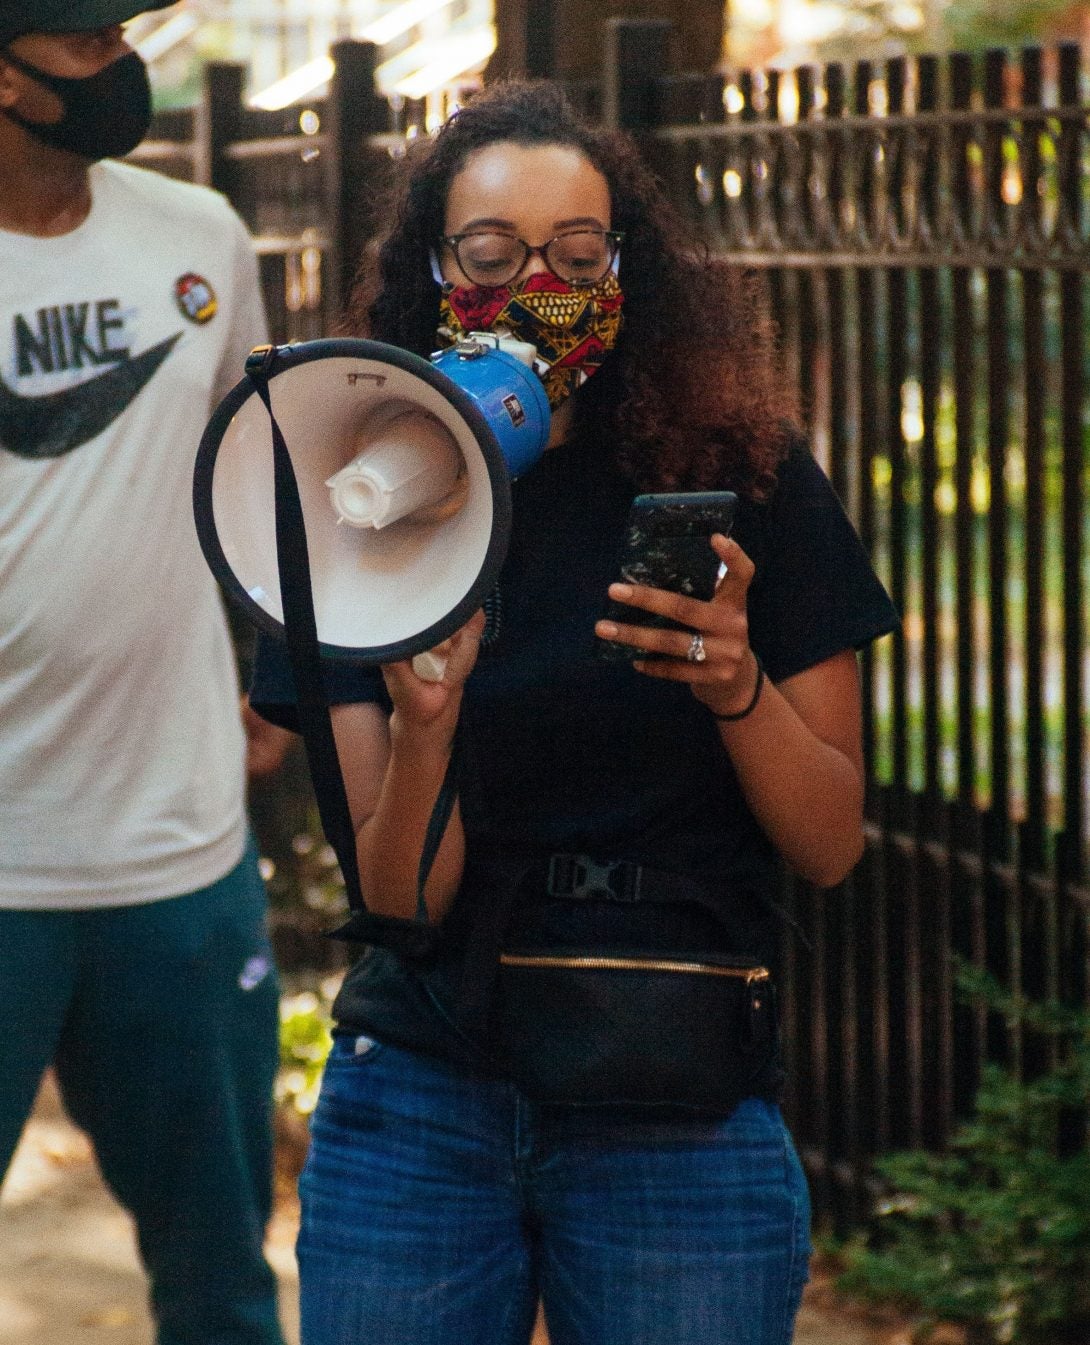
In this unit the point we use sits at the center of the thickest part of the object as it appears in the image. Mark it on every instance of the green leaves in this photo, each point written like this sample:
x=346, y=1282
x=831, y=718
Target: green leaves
x=995, y=1233
x=305, y=1041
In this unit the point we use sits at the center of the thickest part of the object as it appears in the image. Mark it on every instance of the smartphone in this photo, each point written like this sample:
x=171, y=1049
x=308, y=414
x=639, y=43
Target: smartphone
x=667, y=545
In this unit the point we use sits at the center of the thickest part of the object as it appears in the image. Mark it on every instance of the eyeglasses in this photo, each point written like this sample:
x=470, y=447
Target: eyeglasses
x=579, y=257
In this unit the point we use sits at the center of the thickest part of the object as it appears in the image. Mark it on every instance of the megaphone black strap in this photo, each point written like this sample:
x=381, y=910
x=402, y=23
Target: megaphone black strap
x=414, y=938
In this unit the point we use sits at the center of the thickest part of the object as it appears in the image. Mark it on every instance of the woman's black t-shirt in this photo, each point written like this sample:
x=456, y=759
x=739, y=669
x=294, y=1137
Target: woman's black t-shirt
x=568, y=752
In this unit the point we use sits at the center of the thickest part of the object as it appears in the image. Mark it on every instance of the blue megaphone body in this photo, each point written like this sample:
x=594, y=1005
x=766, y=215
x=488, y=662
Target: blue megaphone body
x=508, y=394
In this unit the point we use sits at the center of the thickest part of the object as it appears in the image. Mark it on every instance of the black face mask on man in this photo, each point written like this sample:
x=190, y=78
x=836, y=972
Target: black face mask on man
x=105, y=115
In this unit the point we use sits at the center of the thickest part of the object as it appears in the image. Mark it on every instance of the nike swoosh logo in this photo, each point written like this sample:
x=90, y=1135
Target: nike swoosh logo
x=50, y=426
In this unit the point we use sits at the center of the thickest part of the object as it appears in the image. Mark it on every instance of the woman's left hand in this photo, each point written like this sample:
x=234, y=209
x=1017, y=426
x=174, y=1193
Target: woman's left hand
x=724, y=678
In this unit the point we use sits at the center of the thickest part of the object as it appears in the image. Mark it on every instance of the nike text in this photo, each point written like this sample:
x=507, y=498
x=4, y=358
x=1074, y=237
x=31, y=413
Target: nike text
x=69, y=336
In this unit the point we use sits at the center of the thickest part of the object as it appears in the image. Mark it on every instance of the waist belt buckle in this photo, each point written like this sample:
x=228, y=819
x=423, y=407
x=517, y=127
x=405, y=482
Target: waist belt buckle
x=579, y=878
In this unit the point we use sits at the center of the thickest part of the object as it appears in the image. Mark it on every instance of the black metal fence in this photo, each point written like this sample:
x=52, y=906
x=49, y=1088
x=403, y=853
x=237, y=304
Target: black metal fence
x=922, y=228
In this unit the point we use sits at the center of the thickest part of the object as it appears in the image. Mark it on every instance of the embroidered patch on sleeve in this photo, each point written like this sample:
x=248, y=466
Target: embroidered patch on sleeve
x=196, y=297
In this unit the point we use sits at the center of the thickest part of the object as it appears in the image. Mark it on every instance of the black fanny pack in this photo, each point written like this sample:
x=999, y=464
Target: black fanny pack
x=590, y=1026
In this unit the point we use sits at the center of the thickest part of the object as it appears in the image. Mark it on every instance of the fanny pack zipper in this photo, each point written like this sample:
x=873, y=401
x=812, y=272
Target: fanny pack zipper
x=748, y=974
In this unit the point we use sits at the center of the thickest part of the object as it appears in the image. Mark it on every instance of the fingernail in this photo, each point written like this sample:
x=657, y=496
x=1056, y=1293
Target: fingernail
x=620, y=590
x=606, y=628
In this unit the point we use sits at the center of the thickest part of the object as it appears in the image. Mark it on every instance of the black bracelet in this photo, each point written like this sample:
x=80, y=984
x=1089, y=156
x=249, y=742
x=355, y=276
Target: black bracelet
x=730, y=719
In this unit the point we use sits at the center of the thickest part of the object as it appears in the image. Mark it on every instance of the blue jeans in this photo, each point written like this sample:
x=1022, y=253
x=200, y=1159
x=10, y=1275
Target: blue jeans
x=438, y=1206
x=161, y=1020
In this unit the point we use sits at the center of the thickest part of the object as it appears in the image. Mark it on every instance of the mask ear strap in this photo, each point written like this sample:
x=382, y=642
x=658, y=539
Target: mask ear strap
x=24, y=67
x=436, y=273
x=44, y=80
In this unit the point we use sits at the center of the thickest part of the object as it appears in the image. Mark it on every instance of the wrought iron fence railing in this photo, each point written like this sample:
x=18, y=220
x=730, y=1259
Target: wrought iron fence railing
x=922, y=231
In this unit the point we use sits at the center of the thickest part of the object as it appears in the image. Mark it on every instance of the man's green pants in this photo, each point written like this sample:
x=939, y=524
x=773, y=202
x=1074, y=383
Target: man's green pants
x=161, y=1022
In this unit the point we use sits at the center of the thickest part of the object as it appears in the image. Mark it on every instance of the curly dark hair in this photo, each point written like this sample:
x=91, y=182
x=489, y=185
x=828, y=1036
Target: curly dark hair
x=692, y=395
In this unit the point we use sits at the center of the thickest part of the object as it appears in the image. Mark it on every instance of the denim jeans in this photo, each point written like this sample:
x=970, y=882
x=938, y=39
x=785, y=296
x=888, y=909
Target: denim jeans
x=438, y=1207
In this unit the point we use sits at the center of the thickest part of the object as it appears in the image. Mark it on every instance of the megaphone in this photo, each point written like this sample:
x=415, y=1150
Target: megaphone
x=404, y=468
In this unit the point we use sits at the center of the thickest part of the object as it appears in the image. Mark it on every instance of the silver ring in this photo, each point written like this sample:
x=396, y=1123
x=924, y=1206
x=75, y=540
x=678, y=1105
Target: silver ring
x=696, y=652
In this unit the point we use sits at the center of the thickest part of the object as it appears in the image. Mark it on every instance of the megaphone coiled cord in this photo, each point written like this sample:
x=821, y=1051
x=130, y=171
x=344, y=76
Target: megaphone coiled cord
x=493, y=618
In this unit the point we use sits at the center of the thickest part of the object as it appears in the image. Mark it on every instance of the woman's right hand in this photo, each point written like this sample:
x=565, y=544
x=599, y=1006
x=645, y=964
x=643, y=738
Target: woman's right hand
x=423, y=704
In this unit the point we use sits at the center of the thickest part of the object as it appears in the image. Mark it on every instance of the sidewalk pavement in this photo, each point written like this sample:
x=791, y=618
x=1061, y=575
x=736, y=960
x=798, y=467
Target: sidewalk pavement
x=69, y=1273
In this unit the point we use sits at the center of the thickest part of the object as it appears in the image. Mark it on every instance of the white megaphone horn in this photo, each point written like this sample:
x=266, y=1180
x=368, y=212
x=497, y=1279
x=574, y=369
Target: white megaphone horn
x=404, y=468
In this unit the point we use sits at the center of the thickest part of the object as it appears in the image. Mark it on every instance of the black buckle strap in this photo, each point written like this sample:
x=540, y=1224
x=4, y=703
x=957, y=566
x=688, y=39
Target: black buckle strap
x=580, y=878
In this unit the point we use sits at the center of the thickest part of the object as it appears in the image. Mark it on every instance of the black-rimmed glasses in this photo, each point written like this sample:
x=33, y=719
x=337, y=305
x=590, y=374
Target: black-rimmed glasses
x=578, y=256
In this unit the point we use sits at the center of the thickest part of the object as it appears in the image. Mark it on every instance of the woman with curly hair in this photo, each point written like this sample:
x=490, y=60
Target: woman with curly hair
x=615, y=818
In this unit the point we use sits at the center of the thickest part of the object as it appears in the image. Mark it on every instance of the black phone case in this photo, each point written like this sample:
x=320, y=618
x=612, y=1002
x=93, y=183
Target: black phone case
x=667, y=545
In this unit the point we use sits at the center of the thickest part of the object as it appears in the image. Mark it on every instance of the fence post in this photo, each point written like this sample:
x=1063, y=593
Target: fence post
x=540, y=40
x=354, y=111
x=216, y=125
x=636, y=54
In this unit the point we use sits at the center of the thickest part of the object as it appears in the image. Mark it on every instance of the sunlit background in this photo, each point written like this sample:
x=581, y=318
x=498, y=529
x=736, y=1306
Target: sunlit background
x=424, y=44
x=428, y=45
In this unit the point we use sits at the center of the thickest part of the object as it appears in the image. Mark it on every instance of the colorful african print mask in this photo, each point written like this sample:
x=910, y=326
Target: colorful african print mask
x=572, y=327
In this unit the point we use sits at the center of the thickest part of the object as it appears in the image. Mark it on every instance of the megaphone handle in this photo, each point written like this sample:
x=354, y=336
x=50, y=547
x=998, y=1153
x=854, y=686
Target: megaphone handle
x=429, y=666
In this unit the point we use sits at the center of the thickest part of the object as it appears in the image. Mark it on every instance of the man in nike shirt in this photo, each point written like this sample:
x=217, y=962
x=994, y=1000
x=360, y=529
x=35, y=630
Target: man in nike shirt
x=133, y=952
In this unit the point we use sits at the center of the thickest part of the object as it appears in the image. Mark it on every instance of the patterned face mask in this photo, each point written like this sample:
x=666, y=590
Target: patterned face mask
x=572, y=327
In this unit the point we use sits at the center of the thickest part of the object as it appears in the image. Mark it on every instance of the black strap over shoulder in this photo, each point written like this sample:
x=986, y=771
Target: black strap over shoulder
x=414, y=938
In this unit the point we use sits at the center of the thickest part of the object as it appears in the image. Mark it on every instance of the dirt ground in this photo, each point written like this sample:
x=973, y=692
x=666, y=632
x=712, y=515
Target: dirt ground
x=69, y=1273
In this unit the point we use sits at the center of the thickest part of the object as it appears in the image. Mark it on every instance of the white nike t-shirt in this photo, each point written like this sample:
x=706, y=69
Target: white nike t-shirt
x=121, y=749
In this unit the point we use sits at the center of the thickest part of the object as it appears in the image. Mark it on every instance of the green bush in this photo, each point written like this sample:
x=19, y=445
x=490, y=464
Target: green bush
x=994, y=1234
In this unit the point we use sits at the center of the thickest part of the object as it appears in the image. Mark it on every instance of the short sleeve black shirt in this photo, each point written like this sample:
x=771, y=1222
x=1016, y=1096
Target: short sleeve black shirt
x=570, y=752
